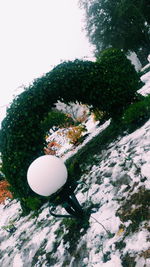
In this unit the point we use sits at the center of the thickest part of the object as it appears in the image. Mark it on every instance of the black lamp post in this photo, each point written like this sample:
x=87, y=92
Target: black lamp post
x=47, y=176
x=69, y=202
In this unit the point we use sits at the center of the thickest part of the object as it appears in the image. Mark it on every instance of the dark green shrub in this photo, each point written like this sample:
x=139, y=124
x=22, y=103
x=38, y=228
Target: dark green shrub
x=56, y=118
x=100, y=116
x=120, y=79
x=1, y=176
x=33, y=203
x=136, y=115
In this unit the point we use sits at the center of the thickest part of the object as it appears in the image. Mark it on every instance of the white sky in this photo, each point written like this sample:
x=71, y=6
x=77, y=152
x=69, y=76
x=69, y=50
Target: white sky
x=34, y=36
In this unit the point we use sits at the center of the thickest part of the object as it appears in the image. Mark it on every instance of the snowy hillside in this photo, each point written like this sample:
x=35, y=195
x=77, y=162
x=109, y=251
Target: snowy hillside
x=118, y=234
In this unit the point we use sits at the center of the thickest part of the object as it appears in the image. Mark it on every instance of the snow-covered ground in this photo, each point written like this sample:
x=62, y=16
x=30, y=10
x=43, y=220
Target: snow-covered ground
x=145, y=90
x=118, y=185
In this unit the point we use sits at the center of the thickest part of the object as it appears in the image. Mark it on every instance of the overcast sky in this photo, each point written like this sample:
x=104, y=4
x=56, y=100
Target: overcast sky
x=36, y=35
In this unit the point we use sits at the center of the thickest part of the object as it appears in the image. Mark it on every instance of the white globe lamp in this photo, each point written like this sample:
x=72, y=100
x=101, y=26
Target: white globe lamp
x=46, y=175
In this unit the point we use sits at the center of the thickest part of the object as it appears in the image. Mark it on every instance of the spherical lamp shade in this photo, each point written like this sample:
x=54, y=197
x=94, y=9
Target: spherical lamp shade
x=46, y=175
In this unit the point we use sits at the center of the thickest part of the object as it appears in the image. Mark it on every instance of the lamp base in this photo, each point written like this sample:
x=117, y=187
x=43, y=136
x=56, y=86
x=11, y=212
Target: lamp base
x=72, y=206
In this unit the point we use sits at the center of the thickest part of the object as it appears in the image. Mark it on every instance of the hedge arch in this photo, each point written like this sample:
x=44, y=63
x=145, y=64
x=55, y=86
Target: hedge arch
x=22, y=138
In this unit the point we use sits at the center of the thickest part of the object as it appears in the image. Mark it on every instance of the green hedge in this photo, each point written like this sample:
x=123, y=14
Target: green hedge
x=136, y=115
x=56, y=119
x=22, y=136
x=121, y=81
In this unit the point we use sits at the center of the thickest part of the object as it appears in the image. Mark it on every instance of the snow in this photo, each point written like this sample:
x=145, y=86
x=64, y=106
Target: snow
x=145, y=170
x=135, y=61
x=35, y=241
x=17, y=262
x=145, y=90
x=115, y=261
x=135, y=243
x=142, y=262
